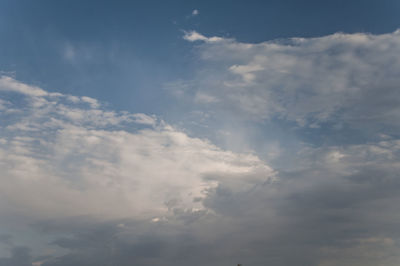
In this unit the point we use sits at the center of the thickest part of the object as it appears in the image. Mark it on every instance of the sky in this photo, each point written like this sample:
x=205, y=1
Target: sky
x=199, y=132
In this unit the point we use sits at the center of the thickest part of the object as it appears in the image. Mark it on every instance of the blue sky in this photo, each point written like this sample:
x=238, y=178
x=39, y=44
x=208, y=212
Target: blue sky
x=199, y=132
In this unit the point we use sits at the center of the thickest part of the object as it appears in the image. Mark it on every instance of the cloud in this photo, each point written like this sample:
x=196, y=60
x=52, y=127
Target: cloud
x=205, y=98
x=145, y=119
x=338, y=79
x=116, y=188
x=69, y=53
x=68, y=156
x=93, y=102
x=339, y=207
x=195, y=12
x=6, y=239
x=128, y=188
x=193, y=36
x=19, y=256
x=12, y=85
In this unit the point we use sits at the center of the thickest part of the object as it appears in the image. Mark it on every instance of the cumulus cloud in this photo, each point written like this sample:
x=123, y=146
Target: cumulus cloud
x=68, y=156
x=346, y=78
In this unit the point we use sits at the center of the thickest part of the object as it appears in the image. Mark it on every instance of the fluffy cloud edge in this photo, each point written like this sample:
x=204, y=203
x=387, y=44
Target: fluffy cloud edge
x=71, y=156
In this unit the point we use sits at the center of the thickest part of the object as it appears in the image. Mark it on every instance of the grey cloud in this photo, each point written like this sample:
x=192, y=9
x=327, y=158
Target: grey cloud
x=20, y=256
x=6, y=239
x=340, y=206
x=315, y=215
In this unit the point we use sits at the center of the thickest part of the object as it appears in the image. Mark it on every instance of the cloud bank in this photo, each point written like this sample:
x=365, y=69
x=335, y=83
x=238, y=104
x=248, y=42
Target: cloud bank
x=115, y=188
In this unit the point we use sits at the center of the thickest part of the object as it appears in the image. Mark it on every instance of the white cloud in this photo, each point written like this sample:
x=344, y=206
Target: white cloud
x=195, y=12
x=12, y=85
x=61, y=158
x=246, y=71
x=93, y=102
x=193, y=36
x=348, y=77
